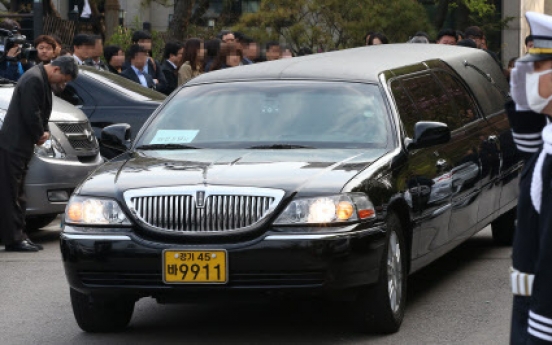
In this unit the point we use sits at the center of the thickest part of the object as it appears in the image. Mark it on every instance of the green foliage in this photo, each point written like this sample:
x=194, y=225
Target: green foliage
x=479, y=7
x=123, y=38
x=333, y=24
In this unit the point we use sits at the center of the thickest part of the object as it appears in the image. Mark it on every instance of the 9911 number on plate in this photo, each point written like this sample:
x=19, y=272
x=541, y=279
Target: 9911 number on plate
x=195, y=266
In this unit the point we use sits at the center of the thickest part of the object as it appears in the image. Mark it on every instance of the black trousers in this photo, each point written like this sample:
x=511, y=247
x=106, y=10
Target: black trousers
x=13, y=202
x=520, y=318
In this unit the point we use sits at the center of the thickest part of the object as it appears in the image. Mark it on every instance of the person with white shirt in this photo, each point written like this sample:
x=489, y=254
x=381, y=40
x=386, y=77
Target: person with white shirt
x=138, y=58
x=82, y=48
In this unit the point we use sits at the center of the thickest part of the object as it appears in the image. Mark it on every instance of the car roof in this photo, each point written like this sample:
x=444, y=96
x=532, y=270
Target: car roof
x=363, y=64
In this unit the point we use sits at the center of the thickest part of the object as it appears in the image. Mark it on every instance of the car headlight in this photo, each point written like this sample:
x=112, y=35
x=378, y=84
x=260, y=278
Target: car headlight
x=83, y=210
x=50, y=149
x=348, y=207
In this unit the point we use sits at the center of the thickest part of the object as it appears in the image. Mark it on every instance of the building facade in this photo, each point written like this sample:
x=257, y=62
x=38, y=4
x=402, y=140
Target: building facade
x=513, y=37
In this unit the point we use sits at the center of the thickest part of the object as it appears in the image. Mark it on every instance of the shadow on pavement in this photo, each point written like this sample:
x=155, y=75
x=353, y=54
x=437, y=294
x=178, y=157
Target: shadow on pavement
x=304, y=321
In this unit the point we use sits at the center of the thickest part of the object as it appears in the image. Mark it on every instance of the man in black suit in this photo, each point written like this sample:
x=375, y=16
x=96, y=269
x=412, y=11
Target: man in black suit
x=83, y=45
x=174, y=51
x=26, y=124
x=95, y=55
x=138, y=57
x=153, y=68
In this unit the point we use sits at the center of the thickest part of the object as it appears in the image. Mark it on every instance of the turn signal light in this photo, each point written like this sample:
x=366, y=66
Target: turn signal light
x=344, y=210
x=363, y=214
x=75, y=212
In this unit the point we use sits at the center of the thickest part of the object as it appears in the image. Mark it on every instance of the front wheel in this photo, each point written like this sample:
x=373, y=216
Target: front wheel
x=95, y=314
x=380, y=308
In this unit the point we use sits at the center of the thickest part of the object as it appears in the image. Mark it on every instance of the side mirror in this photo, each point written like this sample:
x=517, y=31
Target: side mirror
x=116, y=137
x=428, y=134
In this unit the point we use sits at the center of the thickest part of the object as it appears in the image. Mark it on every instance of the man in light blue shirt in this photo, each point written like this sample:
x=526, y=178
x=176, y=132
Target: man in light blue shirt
x=138, y=59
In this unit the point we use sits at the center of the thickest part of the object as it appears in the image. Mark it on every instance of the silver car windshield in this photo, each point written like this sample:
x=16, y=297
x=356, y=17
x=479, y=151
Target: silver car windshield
x=291, y=114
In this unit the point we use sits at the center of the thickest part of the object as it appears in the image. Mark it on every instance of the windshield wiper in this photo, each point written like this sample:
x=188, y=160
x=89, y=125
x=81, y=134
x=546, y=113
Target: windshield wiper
x=281, y=147
x=166, y=147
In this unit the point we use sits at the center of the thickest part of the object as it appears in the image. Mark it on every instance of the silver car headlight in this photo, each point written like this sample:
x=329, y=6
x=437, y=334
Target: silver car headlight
x=82, y=210
x=50, y=149
x=347, y=207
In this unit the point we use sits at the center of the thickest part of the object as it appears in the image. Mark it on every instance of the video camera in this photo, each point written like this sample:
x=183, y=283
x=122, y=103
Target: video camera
x=13, y=38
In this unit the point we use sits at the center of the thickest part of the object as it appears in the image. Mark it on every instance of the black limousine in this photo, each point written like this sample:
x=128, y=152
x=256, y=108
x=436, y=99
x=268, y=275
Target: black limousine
x=338, y=173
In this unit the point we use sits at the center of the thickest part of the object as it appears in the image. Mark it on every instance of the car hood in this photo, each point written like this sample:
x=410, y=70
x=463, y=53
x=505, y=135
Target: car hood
x=63, y=111
x=309, y=171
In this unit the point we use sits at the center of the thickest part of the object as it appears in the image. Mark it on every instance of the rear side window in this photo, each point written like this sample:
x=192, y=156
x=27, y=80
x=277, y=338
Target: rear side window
x=429, y=98
x=426, y=98
x=465, y=106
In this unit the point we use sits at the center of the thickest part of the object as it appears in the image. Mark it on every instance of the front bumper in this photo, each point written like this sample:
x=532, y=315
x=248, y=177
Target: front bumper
x=123, y=262
x=50, y=175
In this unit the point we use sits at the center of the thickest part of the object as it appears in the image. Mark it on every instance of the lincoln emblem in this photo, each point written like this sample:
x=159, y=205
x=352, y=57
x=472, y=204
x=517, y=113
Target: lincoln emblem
x=200, y=199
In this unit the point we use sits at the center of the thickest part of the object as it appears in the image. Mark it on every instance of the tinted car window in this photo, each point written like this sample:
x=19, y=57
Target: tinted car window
x=407, y=111
x=430, y=99
x=123, y=86
x=321, y=114
x=465, y=107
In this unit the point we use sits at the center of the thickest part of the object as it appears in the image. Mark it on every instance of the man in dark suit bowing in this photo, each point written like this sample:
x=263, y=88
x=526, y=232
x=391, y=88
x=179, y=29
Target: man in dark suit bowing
x=26, y=125
x=138, y=57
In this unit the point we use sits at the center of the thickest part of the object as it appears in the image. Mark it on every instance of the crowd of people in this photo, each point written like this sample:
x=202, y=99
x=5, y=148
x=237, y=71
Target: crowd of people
x=183, y=61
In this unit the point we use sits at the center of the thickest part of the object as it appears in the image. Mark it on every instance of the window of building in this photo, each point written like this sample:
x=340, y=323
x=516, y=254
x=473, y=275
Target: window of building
x=250, y=6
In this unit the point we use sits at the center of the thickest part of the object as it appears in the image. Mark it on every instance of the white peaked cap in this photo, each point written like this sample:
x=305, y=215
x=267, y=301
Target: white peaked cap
x=541, y=30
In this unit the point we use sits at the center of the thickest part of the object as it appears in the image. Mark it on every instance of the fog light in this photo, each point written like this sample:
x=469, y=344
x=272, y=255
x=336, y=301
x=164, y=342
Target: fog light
x=58, y=195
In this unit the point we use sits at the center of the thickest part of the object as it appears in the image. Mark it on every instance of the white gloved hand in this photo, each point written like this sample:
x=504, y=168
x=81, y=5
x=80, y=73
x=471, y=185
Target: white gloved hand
x=517, y=84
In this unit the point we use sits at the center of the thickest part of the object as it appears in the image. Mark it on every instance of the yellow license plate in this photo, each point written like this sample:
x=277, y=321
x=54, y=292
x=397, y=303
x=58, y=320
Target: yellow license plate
x=195, y=266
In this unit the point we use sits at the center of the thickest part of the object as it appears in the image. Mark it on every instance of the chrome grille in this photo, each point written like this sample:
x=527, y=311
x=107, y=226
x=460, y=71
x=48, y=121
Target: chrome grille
x=73, y=127
x=79, y=134
x=179, y=209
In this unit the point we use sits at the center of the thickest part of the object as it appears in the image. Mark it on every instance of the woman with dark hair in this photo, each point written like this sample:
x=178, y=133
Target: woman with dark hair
x=230, y=55
x=193, y=60
x=377, y=38
x=115, y=58
x=212, y=48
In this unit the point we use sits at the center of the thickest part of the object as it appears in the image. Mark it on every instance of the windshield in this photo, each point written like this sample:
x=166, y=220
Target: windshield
x=276, y=114
x=122, y=85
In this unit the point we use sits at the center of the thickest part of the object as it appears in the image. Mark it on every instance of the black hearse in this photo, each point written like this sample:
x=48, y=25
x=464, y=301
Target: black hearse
x=341, y=172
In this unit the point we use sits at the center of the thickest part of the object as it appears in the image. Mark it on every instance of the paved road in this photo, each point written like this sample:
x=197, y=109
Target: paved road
x=461, y=299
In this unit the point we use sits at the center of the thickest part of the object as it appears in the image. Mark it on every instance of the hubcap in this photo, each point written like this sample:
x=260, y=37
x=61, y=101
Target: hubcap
x=394, y=272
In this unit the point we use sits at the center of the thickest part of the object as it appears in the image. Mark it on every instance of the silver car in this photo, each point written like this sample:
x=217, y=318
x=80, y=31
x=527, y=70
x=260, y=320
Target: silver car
x=59, y=165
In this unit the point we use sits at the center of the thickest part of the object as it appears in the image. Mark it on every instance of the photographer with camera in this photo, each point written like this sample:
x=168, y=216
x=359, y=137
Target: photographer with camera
x=12, y=42
x=18, y=55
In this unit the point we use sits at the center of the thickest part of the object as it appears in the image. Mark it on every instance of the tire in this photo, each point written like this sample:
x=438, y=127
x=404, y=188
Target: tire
x=380, y=308
x=35, y=223
x=98, y=315
x=503, y=228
